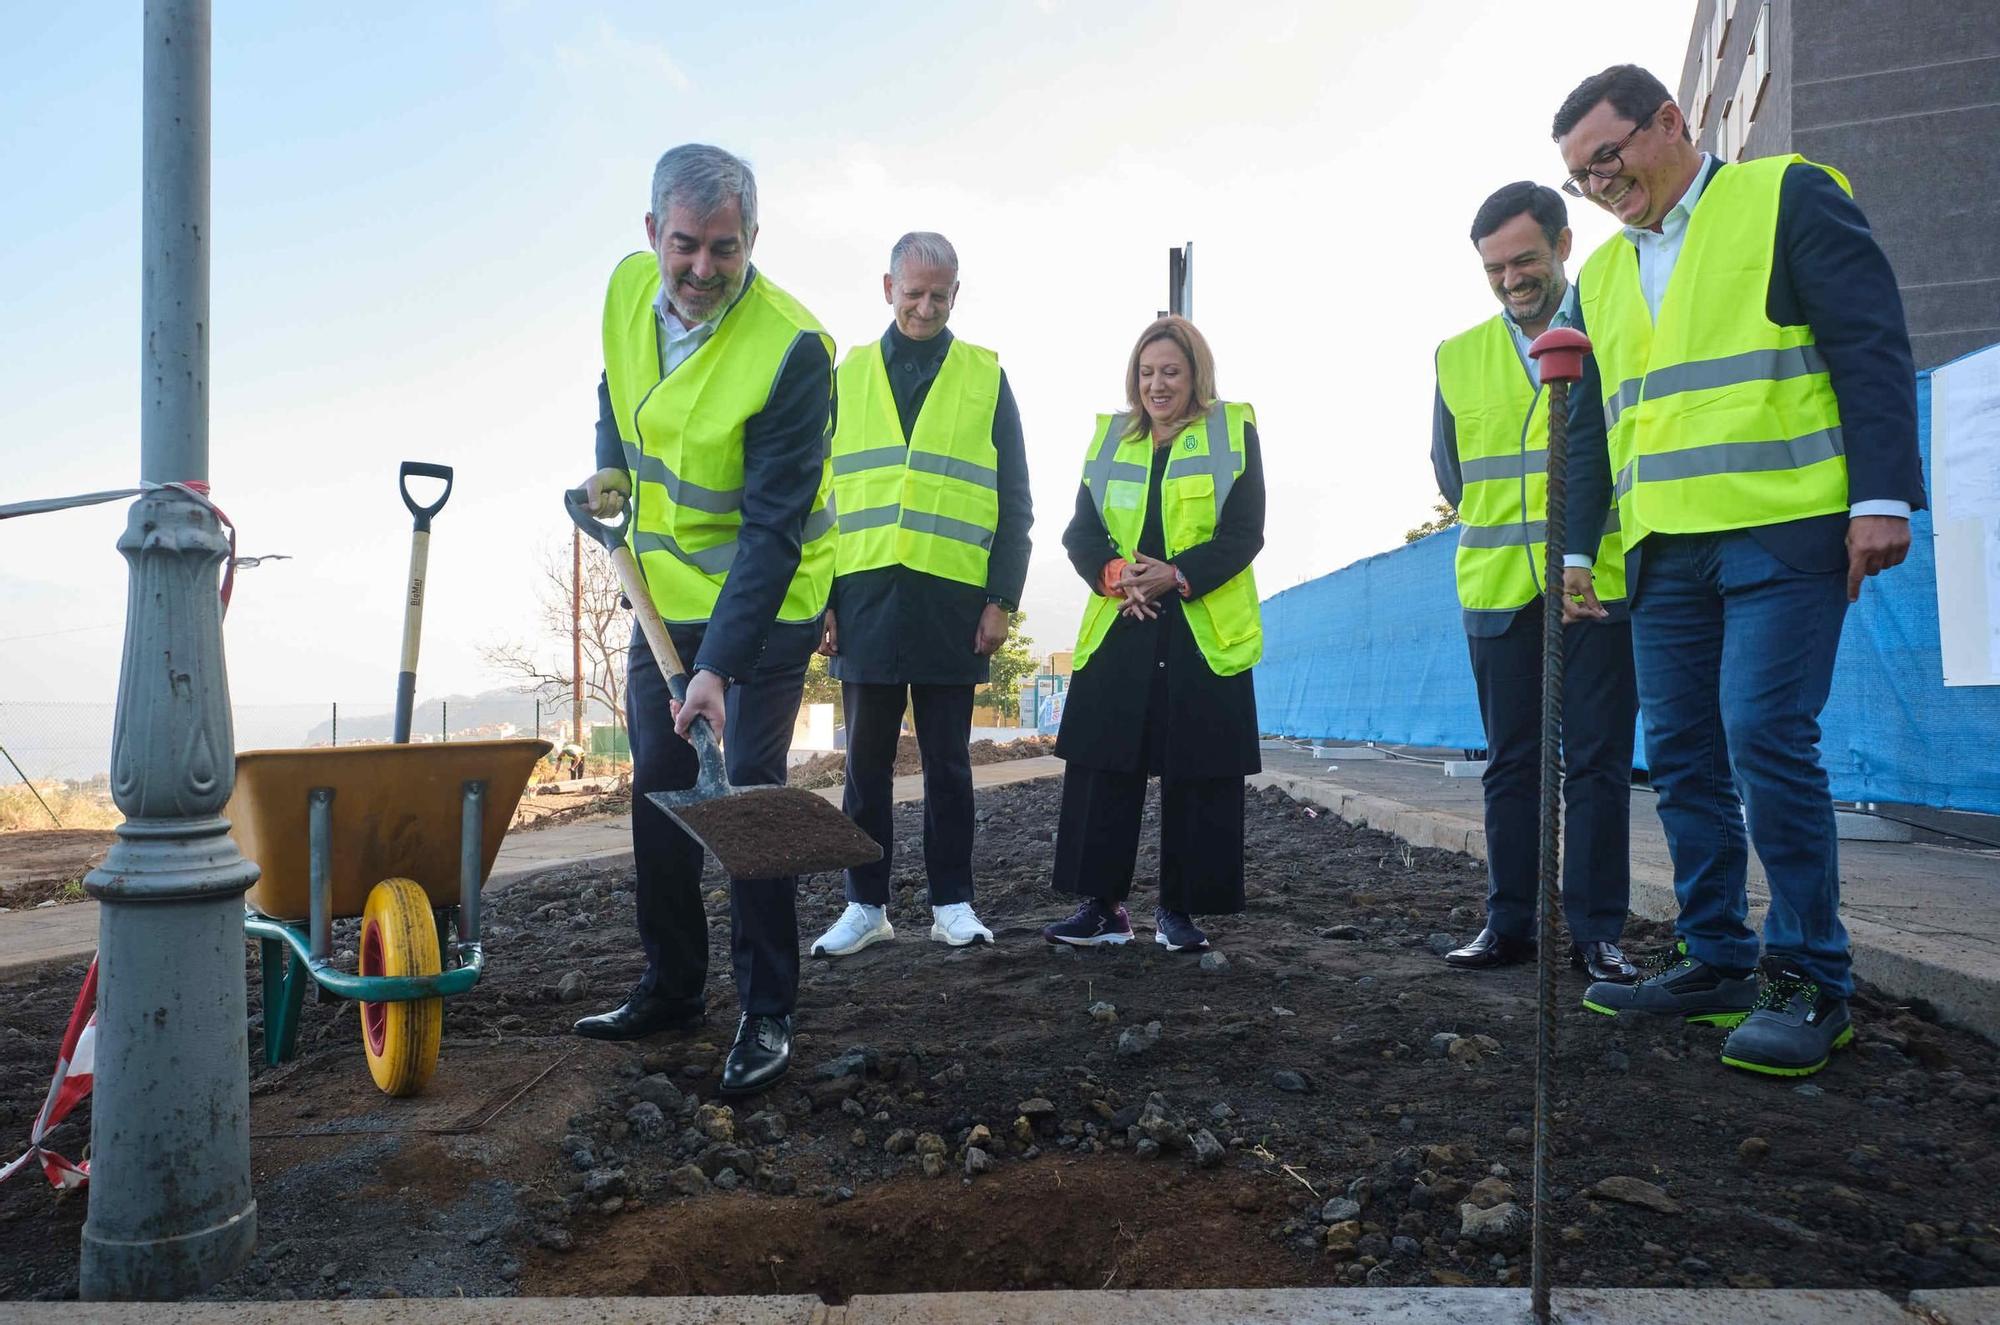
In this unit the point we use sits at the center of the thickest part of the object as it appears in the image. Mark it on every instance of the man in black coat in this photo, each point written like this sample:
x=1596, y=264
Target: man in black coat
x=1779, y=466
x=931, y=486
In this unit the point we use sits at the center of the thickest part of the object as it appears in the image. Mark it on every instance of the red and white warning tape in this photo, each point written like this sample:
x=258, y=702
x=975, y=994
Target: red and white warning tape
x=75, y=1069
x=193, y=488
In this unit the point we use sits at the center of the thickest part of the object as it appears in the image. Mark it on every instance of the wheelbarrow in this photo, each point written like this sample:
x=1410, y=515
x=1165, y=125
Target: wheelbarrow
x=368, y=831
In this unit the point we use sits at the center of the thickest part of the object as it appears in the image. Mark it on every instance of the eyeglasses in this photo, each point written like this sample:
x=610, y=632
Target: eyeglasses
x=1606, y=164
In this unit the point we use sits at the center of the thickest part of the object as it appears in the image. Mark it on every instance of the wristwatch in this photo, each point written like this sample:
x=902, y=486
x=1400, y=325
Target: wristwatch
x=995, y=600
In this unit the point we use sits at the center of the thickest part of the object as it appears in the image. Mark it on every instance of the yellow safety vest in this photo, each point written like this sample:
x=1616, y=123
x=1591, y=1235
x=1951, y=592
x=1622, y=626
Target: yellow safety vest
x=1206, y=460
x=1502, y=422
x=1718, y=418
x=683, y=439
x=933, y=503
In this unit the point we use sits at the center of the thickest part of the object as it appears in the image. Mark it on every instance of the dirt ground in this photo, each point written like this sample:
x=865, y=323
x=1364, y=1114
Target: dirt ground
x=48, y=865
x=1325, y=1104
x=830, y=770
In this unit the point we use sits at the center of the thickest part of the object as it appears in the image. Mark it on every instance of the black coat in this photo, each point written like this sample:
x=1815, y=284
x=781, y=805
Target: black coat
x=902, y=626
x=1148, y=700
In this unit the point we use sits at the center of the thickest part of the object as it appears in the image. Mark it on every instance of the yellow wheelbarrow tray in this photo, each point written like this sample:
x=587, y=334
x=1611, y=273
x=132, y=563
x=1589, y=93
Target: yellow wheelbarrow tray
x=341, y=833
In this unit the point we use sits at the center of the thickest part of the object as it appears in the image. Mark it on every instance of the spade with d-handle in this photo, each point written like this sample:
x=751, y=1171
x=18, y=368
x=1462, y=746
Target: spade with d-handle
x=761, y=832
x=413, y=598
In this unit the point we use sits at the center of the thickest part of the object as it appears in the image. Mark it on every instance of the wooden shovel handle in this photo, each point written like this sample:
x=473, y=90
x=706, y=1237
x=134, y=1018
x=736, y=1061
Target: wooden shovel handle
x=650, y=623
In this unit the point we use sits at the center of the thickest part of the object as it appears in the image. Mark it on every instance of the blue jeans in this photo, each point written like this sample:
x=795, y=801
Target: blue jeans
x=1734, y=651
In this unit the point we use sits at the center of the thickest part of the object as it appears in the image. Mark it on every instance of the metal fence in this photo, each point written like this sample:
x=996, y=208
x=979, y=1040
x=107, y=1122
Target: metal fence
x=56, y=755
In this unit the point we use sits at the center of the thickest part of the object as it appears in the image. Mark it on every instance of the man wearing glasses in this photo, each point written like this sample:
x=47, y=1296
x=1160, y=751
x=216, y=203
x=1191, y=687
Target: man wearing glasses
x=1489, y=448
x=1750, y=406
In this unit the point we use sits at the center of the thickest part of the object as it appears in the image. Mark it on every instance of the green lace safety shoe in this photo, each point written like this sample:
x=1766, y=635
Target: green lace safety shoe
x=1675, y=984
x=1794, y=1028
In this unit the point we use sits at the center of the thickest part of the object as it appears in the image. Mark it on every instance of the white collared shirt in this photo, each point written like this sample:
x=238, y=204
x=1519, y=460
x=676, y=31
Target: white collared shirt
x=678, y=341
x=1565, y=316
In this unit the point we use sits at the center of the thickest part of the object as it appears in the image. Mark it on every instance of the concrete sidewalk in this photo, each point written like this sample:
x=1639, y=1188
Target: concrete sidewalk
x=1224, y=1306
x=1924, y=920
x=69, y=933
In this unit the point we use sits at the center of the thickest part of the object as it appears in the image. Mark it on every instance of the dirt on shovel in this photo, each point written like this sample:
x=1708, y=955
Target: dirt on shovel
x=772, y=832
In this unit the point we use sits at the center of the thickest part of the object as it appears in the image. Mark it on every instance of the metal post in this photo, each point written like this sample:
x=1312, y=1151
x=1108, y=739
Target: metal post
x=444, y=720
x=1560, y=355
x=538, y=719
x=336, y=723
x=170, y=1204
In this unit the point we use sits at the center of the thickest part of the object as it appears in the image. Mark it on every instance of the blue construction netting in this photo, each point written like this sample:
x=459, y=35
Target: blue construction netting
x=1375, y=652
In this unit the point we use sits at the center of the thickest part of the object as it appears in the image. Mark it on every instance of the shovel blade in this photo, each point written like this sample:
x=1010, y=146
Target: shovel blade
x=769, y=832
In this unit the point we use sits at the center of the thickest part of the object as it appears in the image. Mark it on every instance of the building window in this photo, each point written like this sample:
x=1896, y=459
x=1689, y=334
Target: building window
x=1702, y=86
x=1718, y=27
x=1725, y=132
x=1759, y=58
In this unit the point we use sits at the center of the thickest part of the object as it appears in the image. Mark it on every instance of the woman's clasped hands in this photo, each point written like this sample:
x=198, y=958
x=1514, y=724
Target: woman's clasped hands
x=1144, y=581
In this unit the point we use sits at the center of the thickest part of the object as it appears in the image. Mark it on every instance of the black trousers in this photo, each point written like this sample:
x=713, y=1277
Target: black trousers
x=944, y=727
x=763, y=914
x=1600, y=705
x=1201, y=838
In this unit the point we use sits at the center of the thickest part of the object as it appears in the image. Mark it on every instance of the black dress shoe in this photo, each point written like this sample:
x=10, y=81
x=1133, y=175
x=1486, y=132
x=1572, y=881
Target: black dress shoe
x=762, y=1052
x=1603, y=961
x=641, y=1015
x=1490, y=950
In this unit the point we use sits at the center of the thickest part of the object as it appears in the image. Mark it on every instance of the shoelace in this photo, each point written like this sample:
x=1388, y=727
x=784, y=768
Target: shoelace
x=1781, y=990
x=1661, y=962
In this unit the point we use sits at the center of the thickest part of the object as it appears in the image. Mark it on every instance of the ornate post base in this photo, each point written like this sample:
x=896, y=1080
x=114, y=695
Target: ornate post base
x=170, y=1204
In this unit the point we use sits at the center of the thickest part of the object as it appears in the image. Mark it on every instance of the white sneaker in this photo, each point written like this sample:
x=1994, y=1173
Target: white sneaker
x=859, y=925
x=955, y=924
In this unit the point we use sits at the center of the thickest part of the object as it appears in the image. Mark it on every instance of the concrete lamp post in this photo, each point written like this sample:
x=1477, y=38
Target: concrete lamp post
x=170, y=1204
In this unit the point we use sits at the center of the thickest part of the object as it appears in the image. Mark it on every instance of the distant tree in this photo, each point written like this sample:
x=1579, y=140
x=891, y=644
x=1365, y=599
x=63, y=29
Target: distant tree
x=821, y=685
x=1443, y=517
x=542, y=663
x=1013, y=662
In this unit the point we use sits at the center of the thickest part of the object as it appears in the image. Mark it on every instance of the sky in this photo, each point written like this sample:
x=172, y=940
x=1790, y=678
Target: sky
x=416, y=207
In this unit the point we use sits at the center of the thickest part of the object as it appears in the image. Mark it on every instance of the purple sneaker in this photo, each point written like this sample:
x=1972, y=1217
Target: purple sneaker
x=1176, y=931
x=1094, y=923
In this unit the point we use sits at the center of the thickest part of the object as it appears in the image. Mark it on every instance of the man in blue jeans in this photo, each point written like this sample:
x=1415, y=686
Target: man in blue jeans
x=1751, y=407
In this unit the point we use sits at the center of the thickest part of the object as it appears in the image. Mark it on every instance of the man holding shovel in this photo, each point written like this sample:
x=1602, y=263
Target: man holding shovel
x=713, y=416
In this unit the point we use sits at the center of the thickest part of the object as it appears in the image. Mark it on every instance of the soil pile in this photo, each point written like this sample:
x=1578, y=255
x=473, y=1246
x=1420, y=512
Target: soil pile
x=1317, y=1101
x=830, y=770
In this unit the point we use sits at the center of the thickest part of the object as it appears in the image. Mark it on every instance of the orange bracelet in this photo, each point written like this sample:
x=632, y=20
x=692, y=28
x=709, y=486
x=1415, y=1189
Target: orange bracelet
x=1107, y=579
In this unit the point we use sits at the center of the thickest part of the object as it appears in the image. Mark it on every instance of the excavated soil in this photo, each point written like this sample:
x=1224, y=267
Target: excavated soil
x=1324, y=1103
x=830, y=770
x=48, y=865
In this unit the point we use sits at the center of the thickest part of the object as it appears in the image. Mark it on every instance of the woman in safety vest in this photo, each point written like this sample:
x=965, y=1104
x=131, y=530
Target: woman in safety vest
x=1168, y=518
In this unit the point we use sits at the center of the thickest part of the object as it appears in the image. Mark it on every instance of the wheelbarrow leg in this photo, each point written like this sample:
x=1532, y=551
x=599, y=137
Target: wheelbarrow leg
x=285, y=980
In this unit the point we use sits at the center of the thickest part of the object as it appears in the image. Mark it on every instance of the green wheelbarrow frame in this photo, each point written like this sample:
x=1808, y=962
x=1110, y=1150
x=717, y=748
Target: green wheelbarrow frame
x=296, y=955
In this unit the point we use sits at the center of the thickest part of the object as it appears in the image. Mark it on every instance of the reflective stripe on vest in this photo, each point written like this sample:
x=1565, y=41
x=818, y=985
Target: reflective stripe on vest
x=1204, y=463
x=683, y=440
x=1501, y=420
x=931, y=504
x=1717, y=417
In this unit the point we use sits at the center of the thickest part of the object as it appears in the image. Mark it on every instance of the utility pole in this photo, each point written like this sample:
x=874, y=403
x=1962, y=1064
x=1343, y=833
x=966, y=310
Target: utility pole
x=170, y=1204
x=576, y=634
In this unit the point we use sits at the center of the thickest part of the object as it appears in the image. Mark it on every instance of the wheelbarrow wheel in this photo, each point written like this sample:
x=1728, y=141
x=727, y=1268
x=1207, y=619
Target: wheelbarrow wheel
x=399, y=938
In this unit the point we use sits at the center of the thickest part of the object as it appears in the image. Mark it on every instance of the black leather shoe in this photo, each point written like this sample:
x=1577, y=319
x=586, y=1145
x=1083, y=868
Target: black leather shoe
x=762, y=1052
x=1490, y=950
x=1604, y=962
x=641, y=1015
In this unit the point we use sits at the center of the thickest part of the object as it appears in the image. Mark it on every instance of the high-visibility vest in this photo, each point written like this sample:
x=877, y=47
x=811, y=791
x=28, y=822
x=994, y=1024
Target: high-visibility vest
x=683, y=438
x=1205, y=462
x=932, y=504
x=1718, y=418
x=1502, y=422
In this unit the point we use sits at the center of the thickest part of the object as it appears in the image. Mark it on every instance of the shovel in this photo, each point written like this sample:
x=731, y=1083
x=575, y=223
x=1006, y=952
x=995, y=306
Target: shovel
x=413, y=598
x=753, y=832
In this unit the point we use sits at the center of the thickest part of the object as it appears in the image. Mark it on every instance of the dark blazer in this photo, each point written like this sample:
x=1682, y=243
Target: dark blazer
x=784, y=446
x=1832, y=276
x=901, y=626
x=1203, y=725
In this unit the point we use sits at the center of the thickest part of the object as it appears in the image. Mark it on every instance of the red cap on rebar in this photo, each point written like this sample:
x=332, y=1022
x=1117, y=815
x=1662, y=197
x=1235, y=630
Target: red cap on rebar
x=1560, y=352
